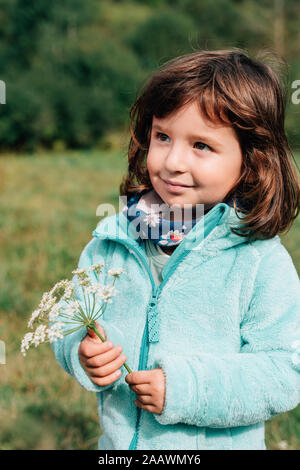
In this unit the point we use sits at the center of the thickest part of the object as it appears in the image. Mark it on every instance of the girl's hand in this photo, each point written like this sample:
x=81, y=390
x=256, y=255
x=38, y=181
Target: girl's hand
x=150, y=388
x=100, y=360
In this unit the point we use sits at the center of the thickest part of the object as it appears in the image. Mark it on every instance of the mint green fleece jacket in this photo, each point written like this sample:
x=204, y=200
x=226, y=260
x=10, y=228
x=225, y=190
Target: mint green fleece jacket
x=222, y=326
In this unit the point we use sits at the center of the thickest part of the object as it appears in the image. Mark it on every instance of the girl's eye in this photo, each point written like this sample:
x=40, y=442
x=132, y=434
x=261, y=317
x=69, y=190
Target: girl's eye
x=161, y=136
x=205, y=145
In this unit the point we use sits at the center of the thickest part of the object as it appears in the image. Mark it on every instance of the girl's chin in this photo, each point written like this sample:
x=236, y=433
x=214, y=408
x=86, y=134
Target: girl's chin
x=180, y=201
x=182, y=197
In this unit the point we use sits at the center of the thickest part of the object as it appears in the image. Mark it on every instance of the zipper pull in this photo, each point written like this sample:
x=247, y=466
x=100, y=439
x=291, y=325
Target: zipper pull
x=153, y=319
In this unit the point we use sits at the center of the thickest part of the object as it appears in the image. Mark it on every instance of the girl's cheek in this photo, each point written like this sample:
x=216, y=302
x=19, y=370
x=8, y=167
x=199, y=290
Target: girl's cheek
x=151, y=164
x=148, y=163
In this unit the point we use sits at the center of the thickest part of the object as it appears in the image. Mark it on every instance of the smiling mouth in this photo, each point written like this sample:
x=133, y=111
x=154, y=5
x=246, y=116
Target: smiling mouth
x=175, y=186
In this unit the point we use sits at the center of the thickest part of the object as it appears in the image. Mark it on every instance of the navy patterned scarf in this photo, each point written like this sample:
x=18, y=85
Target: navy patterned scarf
x=152, y=218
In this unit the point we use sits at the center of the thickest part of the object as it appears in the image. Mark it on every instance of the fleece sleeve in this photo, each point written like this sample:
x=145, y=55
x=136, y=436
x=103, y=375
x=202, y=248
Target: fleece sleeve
x=260, y=381
x=66, y=349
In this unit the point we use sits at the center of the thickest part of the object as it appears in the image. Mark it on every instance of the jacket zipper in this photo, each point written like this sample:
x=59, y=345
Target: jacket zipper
x=156, y=290
x=144, y=347
x=143, y=365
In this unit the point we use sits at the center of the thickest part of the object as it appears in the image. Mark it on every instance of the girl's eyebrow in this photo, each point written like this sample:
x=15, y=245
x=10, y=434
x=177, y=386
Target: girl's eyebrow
x=209, y=140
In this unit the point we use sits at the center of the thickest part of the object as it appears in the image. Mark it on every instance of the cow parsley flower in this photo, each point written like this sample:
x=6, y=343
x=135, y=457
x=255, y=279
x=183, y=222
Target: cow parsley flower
x=97, y=267
x=34, y=316
x=47, y=302
x=26, y=341
x=116, y=272
x=84, y=281
x=95, y=288
x=63, y=310
x=55, y=331
x=39, y=335
x=54, y=312
x=80, y=271
x=107, y=293
x=72, y=308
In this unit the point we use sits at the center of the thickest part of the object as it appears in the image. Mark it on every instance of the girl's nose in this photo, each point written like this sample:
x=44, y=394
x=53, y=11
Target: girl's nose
x=176, y=159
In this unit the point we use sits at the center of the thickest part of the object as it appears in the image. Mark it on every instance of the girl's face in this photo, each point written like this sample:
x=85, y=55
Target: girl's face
x=191, y=160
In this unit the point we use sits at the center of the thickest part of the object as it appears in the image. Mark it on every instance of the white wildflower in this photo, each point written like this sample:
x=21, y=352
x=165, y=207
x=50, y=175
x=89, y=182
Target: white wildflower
x=34, y=316
x=26, y=341
x=59, y=285
x=80, y=271
x=115, y=272
x=107, y=292
x=84, y=281
x=97, y=267
x=95, y=288
x=69, y=290
x=72, y=308
x=55, y=317
x=55, y=331
x=39, y=335
x=54, y=312
x=47, y=302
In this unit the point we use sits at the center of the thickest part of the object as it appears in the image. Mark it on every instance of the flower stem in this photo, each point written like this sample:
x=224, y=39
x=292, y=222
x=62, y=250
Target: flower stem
x=93, y=327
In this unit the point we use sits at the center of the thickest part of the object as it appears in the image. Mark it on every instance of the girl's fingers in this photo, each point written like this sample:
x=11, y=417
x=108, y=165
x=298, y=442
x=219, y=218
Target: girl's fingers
x=145, y=399
x=108, y=368
x=106, y=357
x=141, y=389
x=150, y=408
x=102, y=381
x=94, y=335
x=90, y=347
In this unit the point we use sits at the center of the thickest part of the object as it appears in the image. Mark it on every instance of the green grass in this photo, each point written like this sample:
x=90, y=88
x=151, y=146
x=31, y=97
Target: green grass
x=47, y=215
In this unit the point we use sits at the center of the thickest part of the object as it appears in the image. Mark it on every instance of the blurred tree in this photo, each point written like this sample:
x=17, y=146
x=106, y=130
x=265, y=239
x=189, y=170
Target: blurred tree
x=222, y=24
x=279, y=26
x=72, y=68
x=65, y=82
x=164, y=35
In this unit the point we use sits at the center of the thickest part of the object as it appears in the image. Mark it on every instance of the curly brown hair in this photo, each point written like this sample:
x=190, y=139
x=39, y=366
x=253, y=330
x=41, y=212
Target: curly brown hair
x=231, y=88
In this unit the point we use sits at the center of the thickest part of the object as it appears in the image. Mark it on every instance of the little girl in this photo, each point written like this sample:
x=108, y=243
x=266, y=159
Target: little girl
x=207, y=312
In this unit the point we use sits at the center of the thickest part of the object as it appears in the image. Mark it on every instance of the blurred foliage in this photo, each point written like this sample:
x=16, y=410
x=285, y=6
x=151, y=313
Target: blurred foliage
x=162, y=36
x=72, y=69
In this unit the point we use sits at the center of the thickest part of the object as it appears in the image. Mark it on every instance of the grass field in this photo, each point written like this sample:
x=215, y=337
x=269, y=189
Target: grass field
x=47, y=215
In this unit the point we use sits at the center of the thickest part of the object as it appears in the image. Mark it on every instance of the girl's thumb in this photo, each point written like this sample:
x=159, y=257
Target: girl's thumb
x=94, y=335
